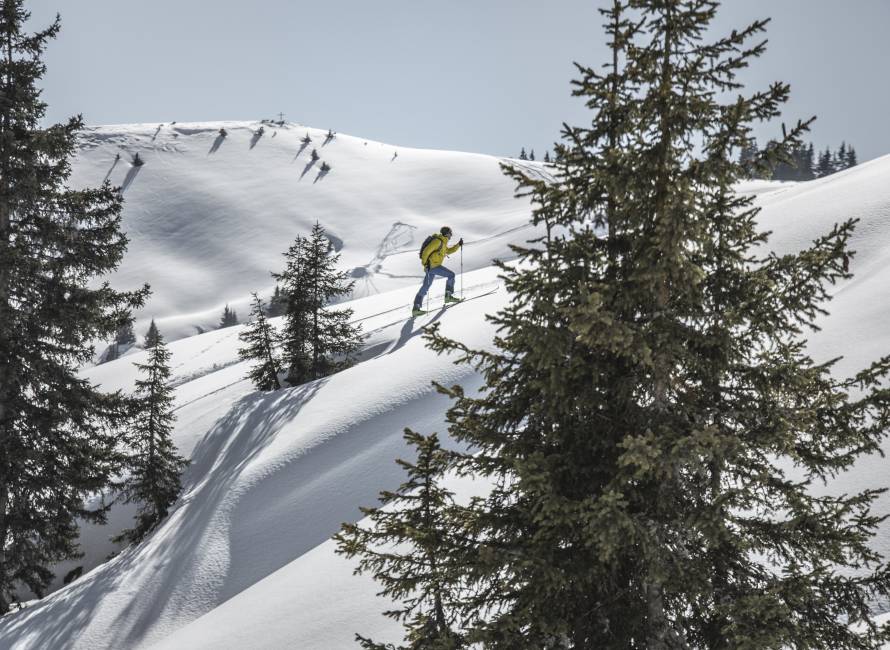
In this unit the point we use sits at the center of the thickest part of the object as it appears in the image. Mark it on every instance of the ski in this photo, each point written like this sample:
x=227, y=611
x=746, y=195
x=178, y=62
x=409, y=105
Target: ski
x=454, y=304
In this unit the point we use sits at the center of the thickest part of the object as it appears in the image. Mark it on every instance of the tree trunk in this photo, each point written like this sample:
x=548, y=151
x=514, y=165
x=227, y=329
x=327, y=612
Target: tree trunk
x=658, y=629
x=273, y=369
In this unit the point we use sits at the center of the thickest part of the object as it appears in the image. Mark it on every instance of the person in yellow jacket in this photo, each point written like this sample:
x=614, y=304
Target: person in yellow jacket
x=432, y=256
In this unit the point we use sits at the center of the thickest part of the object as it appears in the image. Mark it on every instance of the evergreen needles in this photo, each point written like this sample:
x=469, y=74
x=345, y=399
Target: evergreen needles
x=153, y=464
x=58, y=433
x=405, y=548
x=316, y=340
x=259, y=338
x=653, y=430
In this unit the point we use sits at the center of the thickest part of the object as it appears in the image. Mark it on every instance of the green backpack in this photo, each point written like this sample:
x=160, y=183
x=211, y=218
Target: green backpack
x=426, y=242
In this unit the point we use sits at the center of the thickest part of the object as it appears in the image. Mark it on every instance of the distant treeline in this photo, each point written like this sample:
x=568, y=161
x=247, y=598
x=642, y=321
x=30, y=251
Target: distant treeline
x=805, y=163
x=531, y=155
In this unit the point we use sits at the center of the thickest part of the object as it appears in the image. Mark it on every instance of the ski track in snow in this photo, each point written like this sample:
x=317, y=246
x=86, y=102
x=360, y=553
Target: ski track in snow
x=209, y=217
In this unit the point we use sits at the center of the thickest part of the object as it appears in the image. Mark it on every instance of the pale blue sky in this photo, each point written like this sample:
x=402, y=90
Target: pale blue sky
x=488, y=76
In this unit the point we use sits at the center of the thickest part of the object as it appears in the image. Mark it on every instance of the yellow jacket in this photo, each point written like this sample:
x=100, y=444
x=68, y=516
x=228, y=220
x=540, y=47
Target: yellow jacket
x=435, y=252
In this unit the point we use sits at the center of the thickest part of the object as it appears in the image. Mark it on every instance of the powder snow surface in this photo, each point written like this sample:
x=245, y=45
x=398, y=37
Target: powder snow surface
x=245, y=558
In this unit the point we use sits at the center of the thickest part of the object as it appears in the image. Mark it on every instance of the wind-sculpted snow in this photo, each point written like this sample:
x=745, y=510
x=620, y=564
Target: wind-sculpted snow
x=272, y=475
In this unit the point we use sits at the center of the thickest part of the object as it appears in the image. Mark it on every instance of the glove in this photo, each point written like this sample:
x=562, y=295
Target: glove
x=461, y=242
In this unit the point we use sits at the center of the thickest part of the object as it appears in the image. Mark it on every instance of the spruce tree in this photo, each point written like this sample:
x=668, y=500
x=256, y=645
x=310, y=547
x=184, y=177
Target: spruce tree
x=276, y=303
x=826, y=165
x=333, y=339
x=808, y=164
x=651, y=387
x=851, y=160
x=546, y=156
x=797, y=166
x=229, y=318
x=260, y=341
x=782, y=170
x=840, y=159
x=57, y=431
x=296, y=333
x=531, y=155
x=152, y=336
x=317, y=340
x=523, y=155
x=404, y=548
x=154, y=466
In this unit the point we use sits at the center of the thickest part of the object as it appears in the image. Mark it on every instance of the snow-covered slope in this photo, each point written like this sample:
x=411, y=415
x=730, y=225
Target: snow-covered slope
x=244, y=560
x=272, y=476
x=209, y=216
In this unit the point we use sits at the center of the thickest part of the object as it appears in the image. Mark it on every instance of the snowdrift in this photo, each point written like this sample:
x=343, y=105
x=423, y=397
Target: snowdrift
x=245, y=560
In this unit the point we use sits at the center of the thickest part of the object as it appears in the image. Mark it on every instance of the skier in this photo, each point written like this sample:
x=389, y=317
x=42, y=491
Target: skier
x=432, y=254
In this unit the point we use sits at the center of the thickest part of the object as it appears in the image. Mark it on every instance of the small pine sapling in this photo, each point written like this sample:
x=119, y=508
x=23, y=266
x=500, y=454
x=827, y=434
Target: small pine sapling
x=152, y=336
x=229, y=318
x=260, y=341
x=276, y=303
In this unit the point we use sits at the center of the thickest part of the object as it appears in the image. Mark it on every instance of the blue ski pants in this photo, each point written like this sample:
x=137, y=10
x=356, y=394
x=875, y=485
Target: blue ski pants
x=440, y=271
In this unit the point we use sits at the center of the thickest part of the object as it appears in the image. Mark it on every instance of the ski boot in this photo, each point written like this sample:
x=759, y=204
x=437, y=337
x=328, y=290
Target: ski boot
x=417, y=311
x=450, y=299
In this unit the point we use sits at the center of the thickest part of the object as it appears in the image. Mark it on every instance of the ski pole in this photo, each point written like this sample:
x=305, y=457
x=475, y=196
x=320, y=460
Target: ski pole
x=461, y=271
